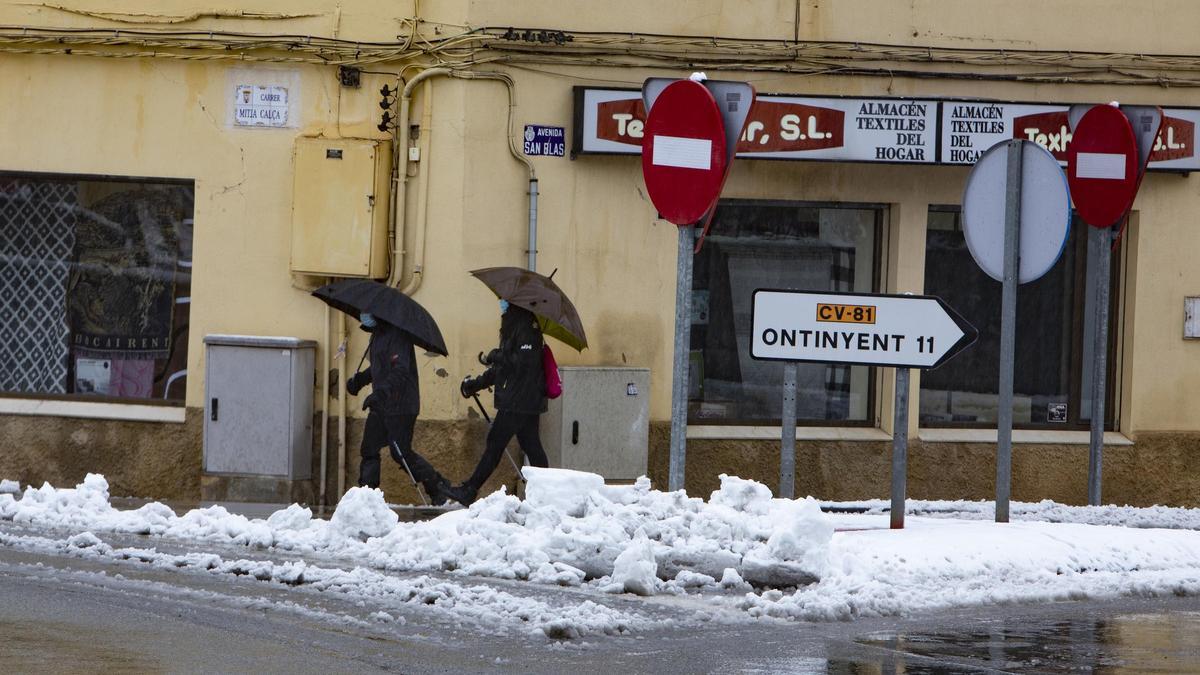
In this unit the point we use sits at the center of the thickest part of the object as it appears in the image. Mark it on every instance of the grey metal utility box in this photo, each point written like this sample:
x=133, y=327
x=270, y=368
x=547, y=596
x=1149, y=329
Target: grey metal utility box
x=601, y=423
x=258, y=406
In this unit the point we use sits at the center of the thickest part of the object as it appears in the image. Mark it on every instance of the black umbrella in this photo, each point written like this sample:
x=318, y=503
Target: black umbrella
x=355, y=296
x=538, y=294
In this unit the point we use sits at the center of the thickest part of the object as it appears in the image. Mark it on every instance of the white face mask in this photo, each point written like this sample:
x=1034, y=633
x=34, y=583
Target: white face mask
x=503, y=306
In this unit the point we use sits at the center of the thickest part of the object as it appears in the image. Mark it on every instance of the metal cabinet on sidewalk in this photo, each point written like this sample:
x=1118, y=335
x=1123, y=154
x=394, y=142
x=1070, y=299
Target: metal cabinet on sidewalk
x=258, y=408
x=601, y=423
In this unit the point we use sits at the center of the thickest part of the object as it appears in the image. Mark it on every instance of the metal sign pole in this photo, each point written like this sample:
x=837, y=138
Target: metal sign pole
x=1008, y=329
x=787, y=447
x=1103, y=239
x=900, y=449
x=683, y=345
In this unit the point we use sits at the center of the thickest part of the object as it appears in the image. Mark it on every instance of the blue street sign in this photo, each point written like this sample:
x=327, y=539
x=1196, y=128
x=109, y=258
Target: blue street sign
x=545, y=141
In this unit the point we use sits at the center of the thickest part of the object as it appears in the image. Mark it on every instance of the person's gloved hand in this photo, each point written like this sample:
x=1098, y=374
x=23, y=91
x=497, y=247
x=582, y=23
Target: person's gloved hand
x=356, y=383
x=371, y=401
x=491, y=357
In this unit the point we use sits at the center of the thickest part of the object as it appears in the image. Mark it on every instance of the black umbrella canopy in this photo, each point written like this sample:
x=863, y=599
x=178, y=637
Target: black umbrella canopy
x=355, y=296
x=540, y=295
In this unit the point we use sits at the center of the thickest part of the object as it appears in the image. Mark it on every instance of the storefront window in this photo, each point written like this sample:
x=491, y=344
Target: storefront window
x=788, y=245
x=1055, y=333
x=95, y=278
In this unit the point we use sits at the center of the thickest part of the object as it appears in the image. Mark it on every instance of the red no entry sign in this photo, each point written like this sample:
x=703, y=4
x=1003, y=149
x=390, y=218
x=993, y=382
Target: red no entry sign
x=683, y=152
x=1102, y=166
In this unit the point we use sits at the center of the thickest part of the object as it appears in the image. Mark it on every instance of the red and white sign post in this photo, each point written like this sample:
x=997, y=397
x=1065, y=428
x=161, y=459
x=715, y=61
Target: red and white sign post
x=686, y=153
x=1105, y=164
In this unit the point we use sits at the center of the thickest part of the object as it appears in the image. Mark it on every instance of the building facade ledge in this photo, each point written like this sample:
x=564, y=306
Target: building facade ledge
x=131, y=412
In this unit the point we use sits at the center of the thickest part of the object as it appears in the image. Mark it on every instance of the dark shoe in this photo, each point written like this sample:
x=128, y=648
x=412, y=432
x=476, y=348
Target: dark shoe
x=463, y=494
x=437, y=491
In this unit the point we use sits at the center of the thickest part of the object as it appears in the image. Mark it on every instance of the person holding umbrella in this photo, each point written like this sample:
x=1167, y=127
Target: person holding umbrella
x=530, y=305
x=395, y=323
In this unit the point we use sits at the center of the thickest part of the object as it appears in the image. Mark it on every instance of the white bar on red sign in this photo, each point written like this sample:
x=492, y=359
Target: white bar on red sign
x=685, y=153
x=1104, y=165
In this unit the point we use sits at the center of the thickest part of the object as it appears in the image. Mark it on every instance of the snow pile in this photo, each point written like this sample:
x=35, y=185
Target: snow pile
x=575, y=531
x=9, y=486
x=935, y=564
x=572, y=529
x=635, y=570
x=361, y=514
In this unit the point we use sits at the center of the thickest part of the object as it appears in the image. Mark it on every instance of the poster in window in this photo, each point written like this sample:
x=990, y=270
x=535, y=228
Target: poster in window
x=121, y=292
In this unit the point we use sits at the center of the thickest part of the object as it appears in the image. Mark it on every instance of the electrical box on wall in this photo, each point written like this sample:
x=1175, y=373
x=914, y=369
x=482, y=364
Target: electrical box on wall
x=258, y=410
x=1191, y=318
x=601, y=422
x=340, y=207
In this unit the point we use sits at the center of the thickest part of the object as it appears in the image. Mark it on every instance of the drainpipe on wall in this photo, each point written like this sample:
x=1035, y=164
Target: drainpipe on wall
x=324, y=406
x=400, y=180
x=533, y=195
x=341, y=448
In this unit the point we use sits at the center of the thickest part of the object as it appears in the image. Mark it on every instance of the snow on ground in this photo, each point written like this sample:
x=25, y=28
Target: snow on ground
x=1052, y=512
x=573, y=530
x=9, y=486
x=474, y=604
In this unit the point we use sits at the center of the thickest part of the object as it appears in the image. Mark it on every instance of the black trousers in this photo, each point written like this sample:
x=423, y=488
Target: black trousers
x=508, y=424
x=396, y=432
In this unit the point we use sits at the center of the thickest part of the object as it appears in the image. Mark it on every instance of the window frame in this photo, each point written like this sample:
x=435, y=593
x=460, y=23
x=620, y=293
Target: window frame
x=881, y=217
x=1075, y=379
x=89, y=403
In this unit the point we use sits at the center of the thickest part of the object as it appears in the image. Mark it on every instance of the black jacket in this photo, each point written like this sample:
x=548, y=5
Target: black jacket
x=393, y=372
x=516, y=367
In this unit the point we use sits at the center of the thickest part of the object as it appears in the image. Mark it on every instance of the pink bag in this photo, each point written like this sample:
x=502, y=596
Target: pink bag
x=550, y=370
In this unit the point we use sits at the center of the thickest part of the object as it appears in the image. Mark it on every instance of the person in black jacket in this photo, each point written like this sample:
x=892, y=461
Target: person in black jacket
x=515, y=370
x=393, y=406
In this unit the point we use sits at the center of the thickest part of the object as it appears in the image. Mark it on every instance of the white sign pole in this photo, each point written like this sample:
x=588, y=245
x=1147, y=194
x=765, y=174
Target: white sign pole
x=787, y=447
x=900, y=450
x=1102, y=238
x=1008, y=329
x=683, y=346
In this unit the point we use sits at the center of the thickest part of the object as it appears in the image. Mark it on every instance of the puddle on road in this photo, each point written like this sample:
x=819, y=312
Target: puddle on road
x=50, y=647
x=1130, y=643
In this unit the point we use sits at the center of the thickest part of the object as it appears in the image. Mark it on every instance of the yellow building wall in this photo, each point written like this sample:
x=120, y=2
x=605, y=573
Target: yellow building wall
x=169, y=118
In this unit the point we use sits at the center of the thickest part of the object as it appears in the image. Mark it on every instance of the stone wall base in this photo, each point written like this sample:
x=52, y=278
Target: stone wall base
x=163, y=461
x=1159, y=468
x=226, y=488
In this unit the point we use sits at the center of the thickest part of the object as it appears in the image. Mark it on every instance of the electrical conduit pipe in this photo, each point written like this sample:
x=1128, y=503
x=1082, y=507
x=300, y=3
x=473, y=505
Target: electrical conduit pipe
x=400, y=178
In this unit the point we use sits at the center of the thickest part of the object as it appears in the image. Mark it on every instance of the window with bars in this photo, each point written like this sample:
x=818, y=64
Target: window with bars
x=95, y=277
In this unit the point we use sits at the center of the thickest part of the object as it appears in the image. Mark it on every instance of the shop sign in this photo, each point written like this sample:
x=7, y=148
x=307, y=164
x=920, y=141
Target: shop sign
x=919, y=131
x=904, y=331
x=260, y=106
x=541, y=141
x=782, y=127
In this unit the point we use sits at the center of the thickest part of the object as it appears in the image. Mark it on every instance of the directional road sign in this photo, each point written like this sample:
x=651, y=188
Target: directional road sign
x=684, y=155
x=904, y=331
x=1102, y=166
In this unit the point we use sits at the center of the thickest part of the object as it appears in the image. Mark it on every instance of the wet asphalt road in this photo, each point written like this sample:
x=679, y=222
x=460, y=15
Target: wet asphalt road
x=66, y=614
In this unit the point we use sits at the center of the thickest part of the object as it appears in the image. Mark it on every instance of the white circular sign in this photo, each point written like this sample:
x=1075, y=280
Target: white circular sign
x=1045, y=211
